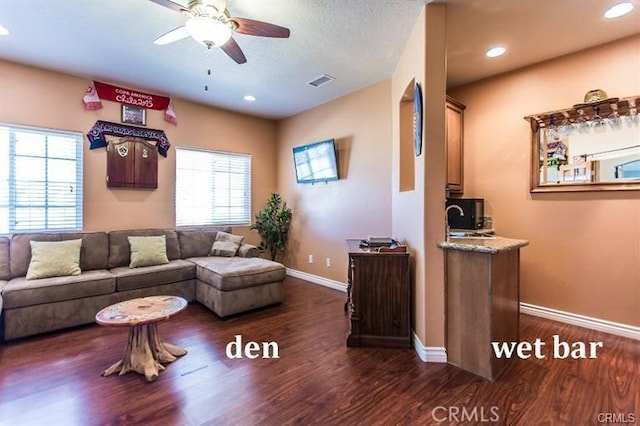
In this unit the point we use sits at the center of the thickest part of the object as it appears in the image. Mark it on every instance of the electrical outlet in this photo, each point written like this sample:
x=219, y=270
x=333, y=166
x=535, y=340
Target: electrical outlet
x=310, y=258
x=328, y=262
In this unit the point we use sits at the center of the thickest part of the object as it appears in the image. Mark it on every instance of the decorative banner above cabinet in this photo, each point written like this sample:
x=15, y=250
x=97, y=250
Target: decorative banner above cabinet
x=97, y=135
x=98, y=90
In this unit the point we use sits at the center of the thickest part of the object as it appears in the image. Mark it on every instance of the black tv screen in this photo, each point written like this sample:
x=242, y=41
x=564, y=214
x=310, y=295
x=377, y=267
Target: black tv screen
x=316, y=162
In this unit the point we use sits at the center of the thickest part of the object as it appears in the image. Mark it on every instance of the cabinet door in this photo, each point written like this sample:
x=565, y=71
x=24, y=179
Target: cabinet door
x=380, y=295
x=132, y=163
x=146, y=165
x=455, y=141
x=120, y=164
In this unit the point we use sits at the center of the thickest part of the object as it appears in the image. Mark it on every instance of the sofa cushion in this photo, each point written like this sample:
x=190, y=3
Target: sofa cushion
x=120, y=254
x=198, y=242
x=151, y=276
x=54, y=259
x=19, y=292
x=93, y=254
x=226, y=245
x=5, y=272
x=95, y=249
x=232, y=273
x=148, y=251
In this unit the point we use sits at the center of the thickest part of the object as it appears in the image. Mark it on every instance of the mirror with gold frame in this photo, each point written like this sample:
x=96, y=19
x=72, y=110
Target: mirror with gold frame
x=592, y=146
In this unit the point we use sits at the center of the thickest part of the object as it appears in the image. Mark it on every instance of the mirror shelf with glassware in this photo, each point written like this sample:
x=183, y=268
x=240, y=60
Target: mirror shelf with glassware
x=591, y=146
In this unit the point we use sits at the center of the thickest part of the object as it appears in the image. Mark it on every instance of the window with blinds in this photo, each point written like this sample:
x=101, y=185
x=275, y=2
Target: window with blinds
x=212, y=188
x=40, y=180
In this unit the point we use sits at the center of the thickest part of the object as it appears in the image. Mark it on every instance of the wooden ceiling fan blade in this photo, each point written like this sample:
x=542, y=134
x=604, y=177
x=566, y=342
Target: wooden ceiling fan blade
x=171, y=36
x=232, y=49
x=259, y=28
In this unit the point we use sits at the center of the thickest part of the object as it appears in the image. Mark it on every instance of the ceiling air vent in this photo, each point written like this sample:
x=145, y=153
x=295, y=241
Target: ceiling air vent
x=321, y=81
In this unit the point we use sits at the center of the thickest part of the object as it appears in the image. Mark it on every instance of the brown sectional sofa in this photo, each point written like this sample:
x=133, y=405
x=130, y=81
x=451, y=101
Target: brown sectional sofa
x=226, y=285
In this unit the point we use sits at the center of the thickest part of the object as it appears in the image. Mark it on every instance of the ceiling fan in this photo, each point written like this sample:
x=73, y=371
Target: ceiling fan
x=210, y=23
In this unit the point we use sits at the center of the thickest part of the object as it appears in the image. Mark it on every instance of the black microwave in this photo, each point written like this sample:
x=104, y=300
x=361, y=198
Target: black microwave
x=473, y=209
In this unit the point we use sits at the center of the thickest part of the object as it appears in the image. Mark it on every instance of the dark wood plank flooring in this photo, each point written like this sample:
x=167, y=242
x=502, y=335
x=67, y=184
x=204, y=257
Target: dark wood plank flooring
x=54, y=379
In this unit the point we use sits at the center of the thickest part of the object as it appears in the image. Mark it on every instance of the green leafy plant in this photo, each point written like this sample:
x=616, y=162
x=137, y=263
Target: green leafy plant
x=272, y=223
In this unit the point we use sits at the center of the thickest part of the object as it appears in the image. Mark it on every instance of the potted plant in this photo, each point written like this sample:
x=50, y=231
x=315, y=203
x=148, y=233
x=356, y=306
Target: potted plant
x=272, y=223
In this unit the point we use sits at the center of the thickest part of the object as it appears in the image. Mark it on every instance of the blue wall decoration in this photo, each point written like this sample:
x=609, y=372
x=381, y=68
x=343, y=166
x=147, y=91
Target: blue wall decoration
x=417, y=119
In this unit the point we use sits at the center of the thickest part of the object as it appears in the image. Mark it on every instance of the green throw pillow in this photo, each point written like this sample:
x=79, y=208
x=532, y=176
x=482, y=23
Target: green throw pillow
x=148, y=251
x=54, y=259
x=226, y=245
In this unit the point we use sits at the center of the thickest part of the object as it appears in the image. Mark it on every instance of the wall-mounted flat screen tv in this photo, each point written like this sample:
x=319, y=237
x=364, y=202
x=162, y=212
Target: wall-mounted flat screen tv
x=316, y=162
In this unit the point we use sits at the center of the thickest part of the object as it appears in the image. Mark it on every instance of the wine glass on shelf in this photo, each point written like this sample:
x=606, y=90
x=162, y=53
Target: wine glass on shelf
x=614, y=116
x=565, y=127
x=552, y=130
x=632, y=116
x=581, y=124
x=597, y=121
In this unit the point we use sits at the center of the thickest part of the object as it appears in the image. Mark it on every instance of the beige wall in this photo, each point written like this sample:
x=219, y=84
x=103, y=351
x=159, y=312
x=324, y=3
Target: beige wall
x=357, y=205
x=42, y=98
x=584, y=253
x=418, y=217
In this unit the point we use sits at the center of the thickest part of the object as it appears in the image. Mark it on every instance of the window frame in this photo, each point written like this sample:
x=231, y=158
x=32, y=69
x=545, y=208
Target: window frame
x=78, y=160
x=247, y=219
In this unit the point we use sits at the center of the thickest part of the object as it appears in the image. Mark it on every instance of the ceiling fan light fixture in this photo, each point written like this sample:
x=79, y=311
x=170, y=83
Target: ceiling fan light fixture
x=208, y=31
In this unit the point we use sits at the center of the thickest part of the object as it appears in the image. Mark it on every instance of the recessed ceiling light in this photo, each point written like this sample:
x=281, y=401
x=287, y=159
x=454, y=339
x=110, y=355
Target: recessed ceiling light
x=3, y=31
x=618, y=10
x=249, y=98
x=496, y=51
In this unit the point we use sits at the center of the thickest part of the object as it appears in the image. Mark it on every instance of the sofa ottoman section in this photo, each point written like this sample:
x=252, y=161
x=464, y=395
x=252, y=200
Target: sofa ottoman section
x=229, y=286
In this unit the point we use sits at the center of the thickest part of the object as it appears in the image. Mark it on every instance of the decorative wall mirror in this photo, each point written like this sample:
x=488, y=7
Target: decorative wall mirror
x=592, y=146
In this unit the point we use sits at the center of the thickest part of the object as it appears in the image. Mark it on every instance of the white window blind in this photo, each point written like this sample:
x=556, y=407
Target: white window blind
x=40, y=180
x=212, y=188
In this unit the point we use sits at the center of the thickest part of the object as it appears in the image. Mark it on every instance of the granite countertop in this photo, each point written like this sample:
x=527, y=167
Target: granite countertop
x=491, y=245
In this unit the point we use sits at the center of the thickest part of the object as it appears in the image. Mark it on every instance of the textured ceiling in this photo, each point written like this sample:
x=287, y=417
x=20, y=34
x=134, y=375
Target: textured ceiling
x=111, y=40
x=356, y=41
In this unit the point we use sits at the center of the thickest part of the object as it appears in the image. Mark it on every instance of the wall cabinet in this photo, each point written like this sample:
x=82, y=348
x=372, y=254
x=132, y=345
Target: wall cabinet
x=455, y=145
x=132, y=163
x=378, y=298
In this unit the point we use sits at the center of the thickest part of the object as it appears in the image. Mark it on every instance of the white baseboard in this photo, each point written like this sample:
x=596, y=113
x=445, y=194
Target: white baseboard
x=315, y=279
x=439, y=354
x=436, y=354
x=618, y=329
x=426, y=354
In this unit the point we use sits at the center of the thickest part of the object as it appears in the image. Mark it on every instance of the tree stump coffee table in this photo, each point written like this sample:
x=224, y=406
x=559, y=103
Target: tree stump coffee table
x=145, y=351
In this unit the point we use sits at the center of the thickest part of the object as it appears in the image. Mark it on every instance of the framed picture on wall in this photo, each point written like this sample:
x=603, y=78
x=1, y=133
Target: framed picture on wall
x=134, y=115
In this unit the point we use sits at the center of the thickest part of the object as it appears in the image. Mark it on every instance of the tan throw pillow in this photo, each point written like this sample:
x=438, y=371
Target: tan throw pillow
x=148, y=251
x=54, y=259
x=226, y=245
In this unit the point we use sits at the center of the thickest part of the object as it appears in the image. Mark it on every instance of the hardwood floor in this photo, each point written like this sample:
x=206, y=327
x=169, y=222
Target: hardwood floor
x=55, y=379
